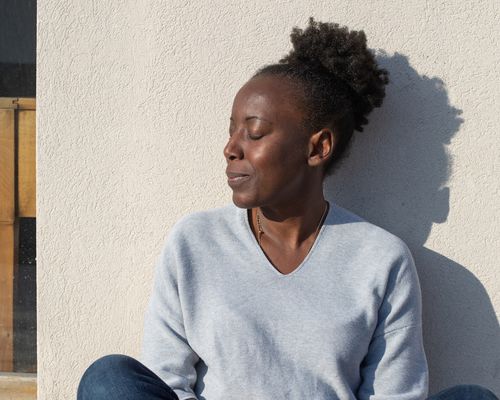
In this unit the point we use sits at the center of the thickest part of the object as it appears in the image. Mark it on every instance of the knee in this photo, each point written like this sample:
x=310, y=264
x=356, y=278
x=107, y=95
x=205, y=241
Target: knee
x=476, y=392
x=100, y=379
x=465, y=392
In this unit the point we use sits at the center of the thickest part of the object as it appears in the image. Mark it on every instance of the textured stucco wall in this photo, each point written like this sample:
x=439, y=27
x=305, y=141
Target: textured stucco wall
x=133, y=106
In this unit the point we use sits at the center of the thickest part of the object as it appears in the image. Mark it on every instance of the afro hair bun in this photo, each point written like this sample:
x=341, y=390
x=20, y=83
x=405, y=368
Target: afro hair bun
x=343, y=53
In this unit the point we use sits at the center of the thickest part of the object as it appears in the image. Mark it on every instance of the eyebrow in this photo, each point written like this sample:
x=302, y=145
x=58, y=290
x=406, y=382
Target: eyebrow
x=252, y=117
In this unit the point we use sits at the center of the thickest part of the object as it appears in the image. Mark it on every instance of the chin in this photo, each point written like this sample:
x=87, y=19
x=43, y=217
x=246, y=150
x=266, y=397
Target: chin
x=243, y=202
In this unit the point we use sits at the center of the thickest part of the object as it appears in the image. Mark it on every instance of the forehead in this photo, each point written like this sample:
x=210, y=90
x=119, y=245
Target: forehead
x=269, y=95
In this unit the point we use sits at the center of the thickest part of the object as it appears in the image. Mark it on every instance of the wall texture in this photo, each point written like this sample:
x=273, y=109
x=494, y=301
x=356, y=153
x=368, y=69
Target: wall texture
x=133, y=106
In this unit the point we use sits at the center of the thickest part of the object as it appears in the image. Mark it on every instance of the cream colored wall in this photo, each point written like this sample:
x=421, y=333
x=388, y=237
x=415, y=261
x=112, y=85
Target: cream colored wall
x=133, y=106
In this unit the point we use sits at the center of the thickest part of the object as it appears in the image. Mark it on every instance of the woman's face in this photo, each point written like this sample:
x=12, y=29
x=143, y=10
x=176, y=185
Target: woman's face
x=267, y=149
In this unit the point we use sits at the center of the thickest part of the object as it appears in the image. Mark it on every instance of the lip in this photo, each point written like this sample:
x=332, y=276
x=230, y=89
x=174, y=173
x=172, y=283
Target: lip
x=235, y=179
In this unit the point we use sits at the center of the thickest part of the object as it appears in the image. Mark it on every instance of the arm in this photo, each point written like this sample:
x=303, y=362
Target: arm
x=165, y=349
x=395, y=366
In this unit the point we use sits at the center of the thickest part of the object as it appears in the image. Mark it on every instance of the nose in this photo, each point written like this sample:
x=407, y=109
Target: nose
x=233, y=150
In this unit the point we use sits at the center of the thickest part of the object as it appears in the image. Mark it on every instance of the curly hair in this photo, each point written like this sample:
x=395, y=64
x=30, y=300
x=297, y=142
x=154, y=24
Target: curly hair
x=339, y=78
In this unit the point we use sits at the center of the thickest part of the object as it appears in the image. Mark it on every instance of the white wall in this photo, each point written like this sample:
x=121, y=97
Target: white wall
x=134, y=99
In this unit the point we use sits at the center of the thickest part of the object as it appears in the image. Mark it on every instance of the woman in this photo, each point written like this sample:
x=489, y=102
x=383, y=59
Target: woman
x=283, y=295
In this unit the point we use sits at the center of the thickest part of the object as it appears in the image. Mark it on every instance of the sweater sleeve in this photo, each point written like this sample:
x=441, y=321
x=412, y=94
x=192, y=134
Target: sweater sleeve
x=165, y=349
x=395, y=367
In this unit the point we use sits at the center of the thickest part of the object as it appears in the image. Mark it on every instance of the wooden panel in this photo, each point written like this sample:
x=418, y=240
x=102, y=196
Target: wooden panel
x=26, y=164
x=9, y=226
x=17, y=386
x=21, y=103
x=7, y=207
x=7, y=238
x=8, y=102
x=7, y=260
x=26, y=103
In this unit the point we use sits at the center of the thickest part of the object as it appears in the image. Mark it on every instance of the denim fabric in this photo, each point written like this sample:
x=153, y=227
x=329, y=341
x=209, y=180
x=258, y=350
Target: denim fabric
x=120, y=377
x=464, y=392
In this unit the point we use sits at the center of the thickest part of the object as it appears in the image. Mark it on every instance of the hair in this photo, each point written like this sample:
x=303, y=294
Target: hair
x=338, y=76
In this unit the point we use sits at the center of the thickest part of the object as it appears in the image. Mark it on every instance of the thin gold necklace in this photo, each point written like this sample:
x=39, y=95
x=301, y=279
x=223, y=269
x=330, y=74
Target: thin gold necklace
x=261, y=231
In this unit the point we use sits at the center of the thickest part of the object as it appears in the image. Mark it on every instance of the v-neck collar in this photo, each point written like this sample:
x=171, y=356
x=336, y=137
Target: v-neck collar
x=262, y=257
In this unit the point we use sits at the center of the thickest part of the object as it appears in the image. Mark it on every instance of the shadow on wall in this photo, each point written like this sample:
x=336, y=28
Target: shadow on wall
x=395, y=177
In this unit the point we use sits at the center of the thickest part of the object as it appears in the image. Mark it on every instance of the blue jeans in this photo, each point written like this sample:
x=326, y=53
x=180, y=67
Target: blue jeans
x=120, y=377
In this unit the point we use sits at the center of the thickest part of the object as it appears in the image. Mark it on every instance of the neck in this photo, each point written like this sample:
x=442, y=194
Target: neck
x=294, y=223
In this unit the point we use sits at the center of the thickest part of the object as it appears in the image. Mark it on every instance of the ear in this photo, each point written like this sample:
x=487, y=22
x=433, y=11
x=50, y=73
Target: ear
x=321, y=146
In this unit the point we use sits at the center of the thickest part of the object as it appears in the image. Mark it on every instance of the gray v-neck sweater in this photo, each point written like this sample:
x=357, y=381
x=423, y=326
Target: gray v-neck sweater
x=224, y=323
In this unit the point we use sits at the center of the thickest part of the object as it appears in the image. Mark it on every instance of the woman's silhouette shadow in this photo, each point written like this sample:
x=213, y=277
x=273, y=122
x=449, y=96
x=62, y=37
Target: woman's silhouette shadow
x=395, y=177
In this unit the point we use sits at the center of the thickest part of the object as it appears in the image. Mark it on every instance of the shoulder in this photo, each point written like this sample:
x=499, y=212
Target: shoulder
x=384, y=263
x=365, y=237
x=378, y=257
x=204, y=223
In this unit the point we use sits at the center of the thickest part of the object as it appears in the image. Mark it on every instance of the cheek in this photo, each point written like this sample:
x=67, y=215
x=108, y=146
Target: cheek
x=268, y=159
x=277, y=162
